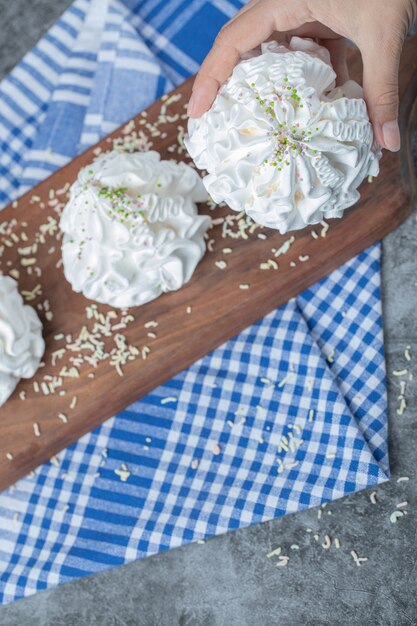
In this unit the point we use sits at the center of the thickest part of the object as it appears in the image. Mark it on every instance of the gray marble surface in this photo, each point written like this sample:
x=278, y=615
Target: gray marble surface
x=229, y=581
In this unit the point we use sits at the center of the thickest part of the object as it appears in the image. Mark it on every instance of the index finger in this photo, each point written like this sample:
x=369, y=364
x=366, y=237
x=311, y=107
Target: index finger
x=246, y=31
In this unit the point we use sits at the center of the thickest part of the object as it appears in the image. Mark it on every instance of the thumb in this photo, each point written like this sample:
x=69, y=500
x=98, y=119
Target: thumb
x=380, y=85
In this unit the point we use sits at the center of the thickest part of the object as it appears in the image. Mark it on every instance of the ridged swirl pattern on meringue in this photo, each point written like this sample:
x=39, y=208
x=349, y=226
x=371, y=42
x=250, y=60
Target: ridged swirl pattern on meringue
x=131, y=228
x=281, y=142
x=21, y=341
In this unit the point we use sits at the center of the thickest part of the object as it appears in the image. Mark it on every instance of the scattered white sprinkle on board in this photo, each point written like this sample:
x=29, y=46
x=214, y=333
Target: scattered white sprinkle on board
x=244, y=286
x=9, y=456
x=326, y=543
x=210, y=245
x=269, y=264
x=201, y=541
x=274, y=552
x=285, y=247
x=294, y=546
x=407, y=353
x=145, y=351
x=402, y=505
x=326, y=226
x=395, y=516
x=403, y=372
x=221, y=264
x=151, y=324
x=36, y=429
x=373, y=497
x=216, y=449
x=169, y=399
x=402, y=407
x=283, y=560
x=403, y=479
x=358, y=559
x=336, y=543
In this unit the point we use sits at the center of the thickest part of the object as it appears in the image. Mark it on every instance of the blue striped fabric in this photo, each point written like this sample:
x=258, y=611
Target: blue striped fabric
x=290, y=413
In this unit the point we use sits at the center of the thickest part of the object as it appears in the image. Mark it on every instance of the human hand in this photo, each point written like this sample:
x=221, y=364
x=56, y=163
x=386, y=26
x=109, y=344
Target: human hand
x=377, y=28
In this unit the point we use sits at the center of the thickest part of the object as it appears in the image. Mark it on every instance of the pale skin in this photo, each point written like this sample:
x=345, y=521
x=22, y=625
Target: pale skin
x=377, y=27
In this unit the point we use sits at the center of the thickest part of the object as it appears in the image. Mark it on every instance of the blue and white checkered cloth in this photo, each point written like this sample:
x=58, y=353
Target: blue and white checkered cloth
x=290, y=413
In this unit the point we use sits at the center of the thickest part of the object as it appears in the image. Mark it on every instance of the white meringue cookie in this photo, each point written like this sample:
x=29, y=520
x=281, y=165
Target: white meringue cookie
x=21, y=341
x=281, y=142
x=131, y=228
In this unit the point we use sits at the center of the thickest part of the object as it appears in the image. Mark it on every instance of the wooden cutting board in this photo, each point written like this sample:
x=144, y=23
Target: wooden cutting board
x=241, y=278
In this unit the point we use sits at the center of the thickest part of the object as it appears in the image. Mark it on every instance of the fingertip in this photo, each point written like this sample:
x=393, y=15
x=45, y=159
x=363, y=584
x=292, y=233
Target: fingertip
x=197, y=105
x=202, y=97
x=191, y=106
x=391, y=135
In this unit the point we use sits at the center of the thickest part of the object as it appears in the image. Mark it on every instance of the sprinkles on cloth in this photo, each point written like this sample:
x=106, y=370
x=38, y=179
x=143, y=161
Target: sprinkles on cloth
x=290, y=413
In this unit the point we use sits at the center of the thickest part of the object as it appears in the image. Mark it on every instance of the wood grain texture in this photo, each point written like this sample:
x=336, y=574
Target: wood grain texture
x=220, y=308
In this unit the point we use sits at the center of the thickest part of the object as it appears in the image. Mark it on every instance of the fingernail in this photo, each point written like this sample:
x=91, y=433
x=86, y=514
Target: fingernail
x=391, y=134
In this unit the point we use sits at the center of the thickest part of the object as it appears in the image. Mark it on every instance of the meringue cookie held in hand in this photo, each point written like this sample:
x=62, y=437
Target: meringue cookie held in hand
x=131, y=228
x=281, y=141
x=21, y=341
